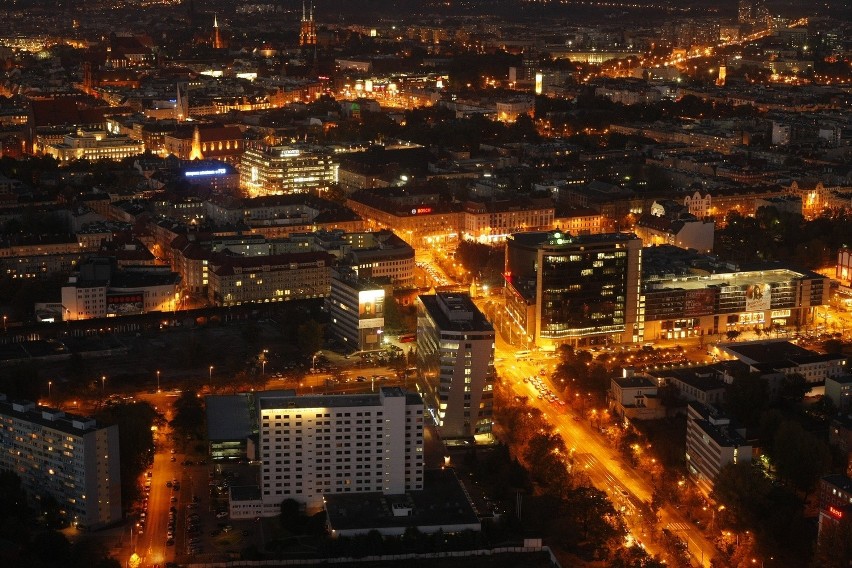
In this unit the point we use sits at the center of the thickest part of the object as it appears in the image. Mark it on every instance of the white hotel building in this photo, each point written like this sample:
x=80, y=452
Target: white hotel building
x=315, y=445
x=69, y=457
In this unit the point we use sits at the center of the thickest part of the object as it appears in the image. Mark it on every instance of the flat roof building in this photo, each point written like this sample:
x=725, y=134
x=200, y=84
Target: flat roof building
x=311, y=446
x=581, y=289
x=712, y=442
x=273, y=170
x=443, y=505
x=67, y=456
x=455, y=360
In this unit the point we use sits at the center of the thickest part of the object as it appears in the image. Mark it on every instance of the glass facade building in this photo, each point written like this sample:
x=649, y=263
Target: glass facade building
x=581, y=289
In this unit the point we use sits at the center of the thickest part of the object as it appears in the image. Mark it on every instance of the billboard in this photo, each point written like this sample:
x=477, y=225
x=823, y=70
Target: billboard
x=699, y=302
x=371, y=304
x=758, y=297
x=125, y=303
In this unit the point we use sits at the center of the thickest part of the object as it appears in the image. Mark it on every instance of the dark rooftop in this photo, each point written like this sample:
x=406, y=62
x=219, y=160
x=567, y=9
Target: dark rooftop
x=442, y=502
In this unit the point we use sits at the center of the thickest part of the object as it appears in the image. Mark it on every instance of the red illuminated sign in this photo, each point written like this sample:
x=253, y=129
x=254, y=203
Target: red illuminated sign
x=835, y=512
x=421, y=210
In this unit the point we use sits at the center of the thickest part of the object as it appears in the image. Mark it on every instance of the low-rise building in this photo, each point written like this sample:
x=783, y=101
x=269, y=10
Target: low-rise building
x=87, y=145
x=236, y=280
x=99, y=289
x=781, y=356
x=634, y=396
x=835, y=499
x=701, y=384
x=838, y=389
x=671, y=224
x=442, y=505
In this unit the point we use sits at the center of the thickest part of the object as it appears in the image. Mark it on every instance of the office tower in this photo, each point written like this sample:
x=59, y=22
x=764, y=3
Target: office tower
x=573, y=289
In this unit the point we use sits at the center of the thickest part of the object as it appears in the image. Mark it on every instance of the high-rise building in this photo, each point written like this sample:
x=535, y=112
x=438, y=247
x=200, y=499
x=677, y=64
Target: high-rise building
x=574, y=289
x=281, y=170
x=308, y=28
x=357, y=310
x=67, y=456
x=455, y=359
x=360, y=443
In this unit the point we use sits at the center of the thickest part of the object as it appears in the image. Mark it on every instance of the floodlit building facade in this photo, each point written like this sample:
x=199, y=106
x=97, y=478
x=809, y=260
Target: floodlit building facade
x=315, y=445
x=94, y=146
x=67, y=456
x=277, y=170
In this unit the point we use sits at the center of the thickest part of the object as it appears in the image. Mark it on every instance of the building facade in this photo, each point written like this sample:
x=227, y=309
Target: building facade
x=238, y=280
x=455, y=360
x=357, y=310
x=584, y=289
x=315, y=445
x=86, y=145
x=69, y=457
x=712, y=442
x=689, y=305
x=281, y=170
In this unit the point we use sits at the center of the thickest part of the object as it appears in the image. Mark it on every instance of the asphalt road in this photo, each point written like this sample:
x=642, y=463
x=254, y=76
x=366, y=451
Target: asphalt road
x=604, y=466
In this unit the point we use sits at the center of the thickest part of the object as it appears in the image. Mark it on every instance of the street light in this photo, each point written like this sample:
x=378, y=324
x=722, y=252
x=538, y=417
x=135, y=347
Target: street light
x=49, y=384
x=103, y=384
x=158, y=380
x=210, y=373
x=263, y=368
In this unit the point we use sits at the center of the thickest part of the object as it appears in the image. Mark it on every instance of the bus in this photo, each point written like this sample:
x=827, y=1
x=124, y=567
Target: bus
x=407, y=338
x=522, y=353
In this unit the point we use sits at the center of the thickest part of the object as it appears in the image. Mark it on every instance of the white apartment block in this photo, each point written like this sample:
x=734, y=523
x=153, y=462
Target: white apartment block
x=455, y=360
x=360, y=443
x=712, y=443
x=66, y=456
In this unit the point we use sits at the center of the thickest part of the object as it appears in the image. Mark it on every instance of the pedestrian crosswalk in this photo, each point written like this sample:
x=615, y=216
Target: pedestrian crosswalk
x=678, y=527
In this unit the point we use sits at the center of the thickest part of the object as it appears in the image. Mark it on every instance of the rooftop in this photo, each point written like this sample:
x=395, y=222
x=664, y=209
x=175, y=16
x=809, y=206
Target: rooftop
x=442, y=502
x=280, y=400
x=48, y=417
x=455, y=312
x=230, y=417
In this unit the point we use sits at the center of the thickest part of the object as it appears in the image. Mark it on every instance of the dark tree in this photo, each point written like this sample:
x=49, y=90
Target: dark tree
x=189, y=414
x=135, y=440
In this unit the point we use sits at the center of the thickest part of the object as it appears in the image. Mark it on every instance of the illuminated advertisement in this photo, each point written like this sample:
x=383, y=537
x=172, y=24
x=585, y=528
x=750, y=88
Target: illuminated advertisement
x=699, y=302
x=216, y=172
x=371, y=304
x=758, y=297
x=125, y=303
x=421, y=211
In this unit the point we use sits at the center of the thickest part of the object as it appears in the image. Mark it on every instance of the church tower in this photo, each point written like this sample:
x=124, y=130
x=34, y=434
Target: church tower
x=308, y=29
x=217, y=37
x=182, y=102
